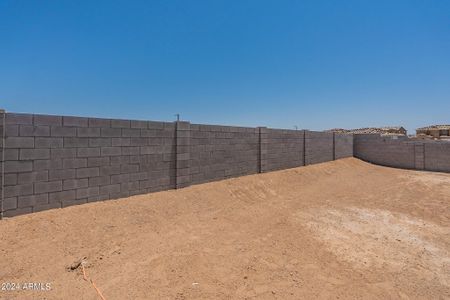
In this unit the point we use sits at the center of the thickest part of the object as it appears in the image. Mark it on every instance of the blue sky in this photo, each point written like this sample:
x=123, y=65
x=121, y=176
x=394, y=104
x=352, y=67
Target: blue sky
x=315, y=64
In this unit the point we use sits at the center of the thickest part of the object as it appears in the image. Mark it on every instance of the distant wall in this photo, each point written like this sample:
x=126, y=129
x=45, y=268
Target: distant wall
x=57, y=161
x=402, y=152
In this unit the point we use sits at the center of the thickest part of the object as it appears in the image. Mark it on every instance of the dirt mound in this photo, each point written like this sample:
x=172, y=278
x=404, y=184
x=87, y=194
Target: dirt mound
x=343, y=229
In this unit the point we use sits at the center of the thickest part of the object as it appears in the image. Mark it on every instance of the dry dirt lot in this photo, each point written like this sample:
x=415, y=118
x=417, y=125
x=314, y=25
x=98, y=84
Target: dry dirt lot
x=338, y=230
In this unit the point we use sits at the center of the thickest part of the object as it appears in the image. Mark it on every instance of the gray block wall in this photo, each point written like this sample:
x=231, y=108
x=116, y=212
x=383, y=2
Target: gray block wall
x=343, y=145
x=57, y=161
x=403, y=153
x=319, y=147
x=437, y=156
x=2, y=139
x=385, y=150
x=285, y=149
x=218, y=152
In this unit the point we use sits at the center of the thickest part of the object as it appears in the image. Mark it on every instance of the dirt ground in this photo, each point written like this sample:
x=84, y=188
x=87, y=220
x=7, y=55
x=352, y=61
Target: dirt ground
x=337, y=230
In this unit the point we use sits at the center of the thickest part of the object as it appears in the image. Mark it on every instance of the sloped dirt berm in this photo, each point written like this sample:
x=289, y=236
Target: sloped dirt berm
x=343, y=229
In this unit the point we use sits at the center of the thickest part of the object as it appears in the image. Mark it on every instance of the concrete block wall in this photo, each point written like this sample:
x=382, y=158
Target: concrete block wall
x=285, y=149
x=319, y=147
x=343, y=145
x=2, y=143
x=183, y=158
x=218, y=152
x=384, y=150
x=403, y=153
x=56, y=161
x=436, y=156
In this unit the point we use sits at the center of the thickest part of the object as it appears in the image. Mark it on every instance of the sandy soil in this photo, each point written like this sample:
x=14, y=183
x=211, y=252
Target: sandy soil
x=343, y=229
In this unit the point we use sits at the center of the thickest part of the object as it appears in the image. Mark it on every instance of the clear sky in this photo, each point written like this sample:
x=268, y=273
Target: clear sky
x=315, y=64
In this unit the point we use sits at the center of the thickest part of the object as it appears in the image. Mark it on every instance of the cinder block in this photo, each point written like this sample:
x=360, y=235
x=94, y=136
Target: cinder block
x=155, y=125
x=67, y=203
x=32, y=200
x=111, y=151
x=87, y=172
x=99, y=142
x=148, y=150
x=38, y=208
x=182, y=164
x=30, y=130
x=129, y=168
x=30, y=177
x=72, y=142
x=75, y=183
x=75, y=121
x=61, y=196
x=119, y=142
x=43, y=142
x=47, y=164
x=183, y=134
x=96, y=122
x=98, y=198
x=87, y=192
x=11, y=154
x=183, y=156
x=129, y=186
x=183, y=172
x=73, y=163
x=18, y=166
x=183, y=141
x=47, y=187
x=88, y=152
x=111, y=132
x=58, y=131
x=138, y=124
x=10, y=179
x=120, y=124
x=138, y=141
x=29, y=154
x=88, y=132
x=18, y=119
x=19, y=142
x=62, y=174
x=130, y=150
x=17, y=212
x=101, y=180
x=110, y=189
x=63, y=153
x=98, y=161
x=109, y=170
x=121, y=178
x=10, y=203
x=131, y=132
x=47, y=120
x=18, y=190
